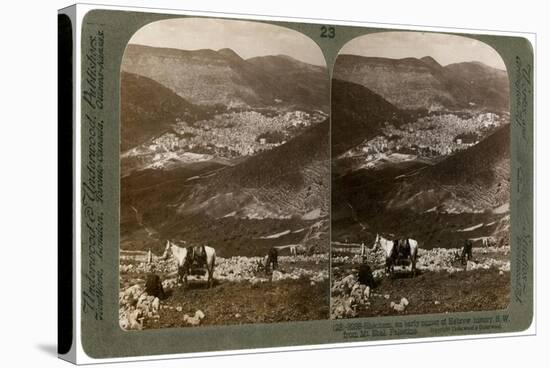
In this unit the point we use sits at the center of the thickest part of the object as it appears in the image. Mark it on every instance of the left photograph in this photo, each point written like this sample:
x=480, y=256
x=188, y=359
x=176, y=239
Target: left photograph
x=224, y=175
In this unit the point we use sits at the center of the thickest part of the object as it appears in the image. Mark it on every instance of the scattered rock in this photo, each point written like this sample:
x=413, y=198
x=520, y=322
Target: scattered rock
x=344, y=307
x=195, y=320
x=401, y=306
x=276, y=276
x=199, y=314
x=131, y=319
x=156, y=304
x=366, y=293
x=397, y=307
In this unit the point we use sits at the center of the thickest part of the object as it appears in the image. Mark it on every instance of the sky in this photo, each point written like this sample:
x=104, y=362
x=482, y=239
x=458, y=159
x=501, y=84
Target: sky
x=446, y=49
x=248, y=39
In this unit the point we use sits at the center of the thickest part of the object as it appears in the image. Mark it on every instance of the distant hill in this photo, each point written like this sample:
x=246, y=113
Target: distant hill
x=358, y=114
x=289, y=180
x=292, y=81
x=476, y=179
x=149, y=109
x=207, y=77
x=432, y=203
x=485, y=86
x=412, y=83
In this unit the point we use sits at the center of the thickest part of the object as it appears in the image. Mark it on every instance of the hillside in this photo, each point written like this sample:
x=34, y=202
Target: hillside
x=358, y=114
x=477, y=179
x=289, y=180
x=485, y=86
x=148, y=109
x=292, y=81
x=283, y=190
x=466, y=195
x=207, y=77
x=412, y=83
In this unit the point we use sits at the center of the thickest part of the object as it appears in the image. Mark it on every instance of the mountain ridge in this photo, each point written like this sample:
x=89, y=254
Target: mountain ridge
x=206, y=77
x=411, y=83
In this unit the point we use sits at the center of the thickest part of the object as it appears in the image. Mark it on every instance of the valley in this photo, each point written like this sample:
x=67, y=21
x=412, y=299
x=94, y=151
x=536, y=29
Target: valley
x=230, y=153
x=420, y=151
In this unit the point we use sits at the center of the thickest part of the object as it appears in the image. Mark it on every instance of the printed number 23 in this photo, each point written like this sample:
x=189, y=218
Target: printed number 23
x=328, y=32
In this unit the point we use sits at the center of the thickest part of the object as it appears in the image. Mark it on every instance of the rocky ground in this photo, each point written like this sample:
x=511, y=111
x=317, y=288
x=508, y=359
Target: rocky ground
x=242, y=293
x=442, y=283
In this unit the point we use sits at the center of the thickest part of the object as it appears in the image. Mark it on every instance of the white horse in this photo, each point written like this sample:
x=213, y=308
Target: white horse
x=191, y=257
x=296, y=249
x=393, y=252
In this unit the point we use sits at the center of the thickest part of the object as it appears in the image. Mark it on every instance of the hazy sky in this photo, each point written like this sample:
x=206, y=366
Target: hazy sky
x=248, y=39
x=446, y=49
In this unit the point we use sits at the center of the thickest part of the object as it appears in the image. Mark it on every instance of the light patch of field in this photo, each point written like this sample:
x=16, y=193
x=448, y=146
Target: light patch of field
x=471, y=228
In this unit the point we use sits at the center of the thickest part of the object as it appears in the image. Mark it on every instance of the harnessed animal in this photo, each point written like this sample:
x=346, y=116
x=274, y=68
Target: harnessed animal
x=297, y=249
x=191, y=258
x=398, y=250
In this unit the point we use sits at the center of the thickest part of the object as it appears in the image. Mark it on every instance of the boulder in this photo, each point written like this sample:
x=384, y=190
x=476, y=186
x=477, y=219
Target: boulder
x=155, y=304
x=193, y=321
x=199, y=314
x=366, y=292
x=401, y=306
x=135, y=321
x=397, y=307
x=276, y=276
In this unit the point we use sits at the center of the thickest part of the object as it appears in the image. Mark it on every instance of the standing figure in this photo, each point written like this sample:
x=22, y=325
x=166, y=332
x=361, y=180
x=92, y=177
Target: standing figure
x=270, y=260
x=466, y=251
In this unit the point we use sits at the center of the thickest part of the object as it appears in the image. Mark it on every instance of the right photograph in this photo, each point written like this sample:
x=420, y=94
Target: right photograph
x=420, y=192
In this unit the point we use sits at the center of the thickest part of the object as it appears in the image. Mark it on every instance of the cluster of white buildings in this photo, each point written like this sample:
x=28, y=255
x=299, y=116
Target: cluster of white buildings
x=434, y=135
x=234, y=133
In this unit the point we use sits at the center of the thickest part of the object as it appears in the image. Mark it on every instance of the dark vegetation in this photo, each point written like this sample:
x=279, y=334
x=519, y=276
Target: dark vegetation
x=272, y=137
x=358, y=114
x=148, y=109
